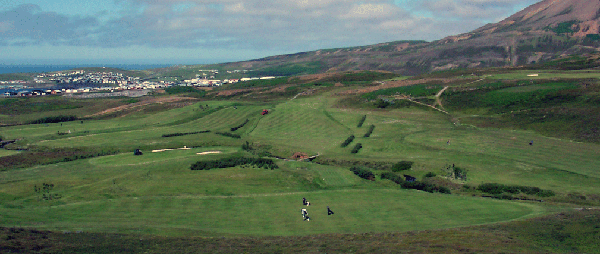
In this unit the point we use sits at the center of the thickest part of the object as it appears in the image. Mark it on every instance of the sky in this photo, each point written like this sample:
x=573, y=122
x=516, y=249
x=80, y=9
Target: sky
x=215, y=31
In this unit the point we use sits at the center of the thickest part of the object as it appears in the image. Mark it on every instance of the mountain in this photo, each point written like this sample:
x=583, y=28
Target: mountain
x=545, y=31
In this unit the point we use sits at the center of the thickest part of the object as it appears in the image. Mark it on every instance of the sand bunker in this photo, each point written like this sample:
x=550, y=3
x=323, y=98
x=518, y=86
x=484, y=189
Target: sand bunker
x=162, y=150
x=209, y=152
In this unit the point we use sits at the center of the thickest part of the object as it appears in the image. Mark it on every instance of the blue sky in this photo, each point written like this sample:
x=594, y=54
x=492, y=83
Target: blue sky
x=208, y=31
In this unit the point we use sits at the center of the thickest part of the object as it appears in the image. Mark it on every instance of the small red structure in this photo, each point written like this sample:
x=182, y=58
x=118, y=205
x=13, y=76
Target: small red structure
x=264, y=112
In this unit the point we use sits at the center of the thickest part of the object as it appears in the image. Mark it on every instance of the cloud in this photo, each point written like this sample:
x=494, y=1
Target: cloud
x=479, y=10
x=274, y=25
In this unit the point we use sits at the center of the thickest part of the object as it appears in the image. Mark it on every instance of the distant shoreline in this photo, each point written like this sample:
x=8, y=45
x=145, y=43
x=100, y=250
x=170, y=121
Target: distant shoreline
x=40, y=68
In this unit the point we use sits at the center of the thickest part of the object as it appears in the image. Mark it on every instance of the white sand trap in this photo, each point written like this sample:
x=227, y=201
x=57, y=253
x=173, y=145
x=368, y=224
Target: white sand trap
x=209, y=152
x=162, y=150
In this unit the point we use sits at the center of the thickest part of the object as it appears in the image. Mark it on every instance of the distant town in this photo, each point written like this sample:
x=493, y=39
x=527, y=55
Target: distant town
x=79, y=81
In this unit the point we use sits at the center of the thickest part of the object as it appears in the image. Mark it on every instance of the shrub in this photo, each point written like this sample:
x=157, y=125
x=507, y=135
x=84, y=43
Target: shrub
x=227, y=134
x=54, y=119
x=363, y=173
x=182, y=134
x=401, y=166
x=240, y=126
x=234, y=161
x=393, y=177
x=361, y=121
x=370, y=131
x=356, y=148
x=348, y=141
x=498, y=189
x=247, y=146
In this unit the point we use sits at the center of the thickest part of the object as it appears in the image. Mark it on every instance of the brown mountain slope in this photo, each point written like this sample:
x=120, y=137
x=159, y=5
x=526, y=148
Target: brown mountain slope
x=544, y=31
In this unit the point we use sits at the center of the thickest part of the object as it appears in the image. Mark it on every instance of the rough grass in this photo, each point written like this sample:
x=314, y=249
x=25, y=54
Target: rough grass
x=157, y=195
x=569, y=232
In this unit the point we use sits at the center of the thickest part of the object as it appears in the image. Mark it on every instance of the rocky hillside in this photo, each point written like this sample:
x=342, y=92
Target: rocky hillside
x=545, y=31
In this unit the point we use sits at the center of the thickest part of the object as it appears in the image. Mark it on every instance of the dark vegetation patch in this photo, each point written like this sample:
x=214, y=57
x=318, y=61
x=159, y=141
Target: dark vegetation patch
x=363, y=173
x=233, y=162
x=566, y=232
x=177, y=134
x=42, y=156
x=54, y=119
x=240, y=126
x=370, y=131
x=188, y=90
x=356, y=148
x=402, y=165
x=377, y=165
x=563, y=28
x=553, y=108
x=291, y=69
x=229, y=134
x=348, y=141
x=362, y=76
x=415, y=185
x=361, y=121
x=499, y=189
x=258, y=83
x=17, y=106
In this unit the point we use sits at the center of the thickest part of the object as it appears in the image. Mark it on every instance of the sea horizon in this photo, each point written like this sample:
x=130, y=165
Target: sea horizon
x=41, y=68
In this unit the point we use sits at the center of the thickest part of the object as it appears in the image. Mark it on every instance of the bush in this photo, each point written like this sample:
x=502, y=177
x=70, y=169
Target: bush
x=363, y=173
x=182, y=134
x=498, y=189
x=348, y=141
x=235, y=161
x=240, y=126
x=393, y=177
x=356, y=148
x=54, y=119
x=362, y=120
x=227, y=134
x=370, y=131
x=401, y=166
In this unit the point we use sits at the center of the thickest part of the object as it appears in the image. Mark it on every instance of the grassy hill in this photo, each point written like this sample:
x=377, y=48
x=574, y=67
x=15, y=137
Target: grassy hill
x=81, y=178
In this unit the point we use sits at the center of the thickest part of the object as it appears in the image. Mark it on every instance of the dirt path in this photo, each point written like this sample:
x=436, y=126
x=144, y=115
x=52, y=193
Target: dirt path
x=437, y=98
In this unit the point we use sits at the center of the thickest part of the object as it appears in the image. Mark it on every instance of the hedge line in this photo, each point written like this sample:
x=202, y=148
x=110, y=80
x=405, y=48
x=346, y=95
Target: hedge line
x=348, y=141
x=363, y=173
x=240, y=126
x=356, y=148
x=227, y=134
x=416, y=185
x=362, y=120
x=232, y=162
x=497, y=189
x=182, y=134
x=370, y=131
x=54, y=119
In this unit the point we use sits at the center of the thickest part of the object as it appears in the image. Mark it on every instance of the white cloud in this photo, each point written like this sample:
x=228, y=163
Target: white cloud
x=252, y=25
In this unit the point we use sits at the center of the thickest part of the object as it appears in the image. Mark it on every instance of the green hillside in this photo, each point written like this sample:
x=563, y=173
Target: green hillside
x=460, y=133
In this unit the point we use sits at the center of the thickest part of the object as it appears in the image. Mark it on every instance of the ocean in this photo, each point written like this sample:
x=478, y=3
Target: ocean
x=39, y=68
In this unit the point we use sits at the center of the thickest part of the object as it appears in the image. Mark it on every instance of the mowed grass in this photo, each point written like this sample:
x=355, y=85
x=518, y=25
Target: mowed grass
x=157, y=193
x=270, y=214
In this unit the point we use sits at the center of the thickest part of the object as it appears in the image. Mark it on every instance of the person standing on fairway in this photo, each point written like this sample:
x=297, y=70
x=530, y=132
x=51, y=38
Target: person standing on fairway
x=329, y=212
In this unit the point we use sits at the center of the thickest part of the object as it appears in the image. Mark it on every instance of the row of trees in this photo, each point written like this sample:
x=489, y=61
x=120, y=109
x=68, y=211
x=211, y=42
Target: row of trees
x=54, y=119
x=235, y=161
